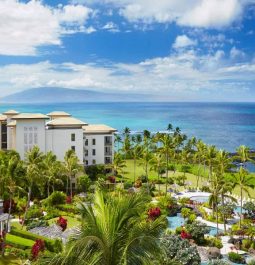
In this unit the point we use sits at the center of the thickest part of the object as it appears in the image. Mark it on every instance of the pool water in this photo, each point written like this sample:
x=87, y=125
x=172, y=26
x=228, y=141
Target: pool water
x=200, y=199
x=177, y=221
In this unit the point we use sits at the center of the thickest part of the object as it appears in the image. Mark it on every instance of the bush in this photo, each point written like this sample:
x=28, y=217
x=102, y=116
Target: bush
x=236, y=258
x=177, y=249
x=83, y=183
x=37, y=223
x=53, y=245
x=67, y=208
x=56, y=198
x=214, y=242
x=51, y=213
x=178, y=230
x=185, y=212
x=197, y=231
x=94, y=170
x=128, y=185
x=19, y=242
x=17, y=252
x=246, y=243
x=34, y=212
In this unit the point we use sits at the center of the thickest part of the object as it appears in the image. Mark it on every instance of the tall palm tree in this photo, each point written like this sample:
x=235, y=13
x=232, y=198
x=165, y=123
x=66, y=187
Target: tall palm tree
x=136, y=153
x=243, y=154
x=113, y=233
x=146, y=156
x=167, y=146
x=72, y=167
x=52, y=170
x=199, y=158
x=244, y=181
x=157, y=164
x=118, y=140
x=210, y=158
x=34, y=167
x=118, y=165
x=126, y=145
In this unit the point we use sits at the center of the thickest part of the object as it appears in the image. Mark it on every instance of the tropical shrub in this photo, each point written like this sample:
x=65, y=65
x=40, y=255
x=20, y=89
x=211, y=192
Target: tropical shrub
x=236, y=258
x=185, y=212
x=83, y=183
x=37, y=223
x=94, y=170
x=154, y=213
x=34, y=212
x=250, y=208
x=62, y=222
x=6, y=206
x=214, y=242
x=68, y=199
x=168, y=205
x=128, y=185
x=112, y=179
x=17, y=252
x=56, y=198
x=185, y=234
x=192, y=218
x=197, y=230
x=52, y=212
x=38, y=246
x=177, y=249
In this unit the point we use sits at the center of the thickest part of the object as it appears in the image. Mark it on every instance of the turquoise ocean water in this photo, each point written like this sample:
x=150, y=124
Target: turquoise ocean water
x=227, y=125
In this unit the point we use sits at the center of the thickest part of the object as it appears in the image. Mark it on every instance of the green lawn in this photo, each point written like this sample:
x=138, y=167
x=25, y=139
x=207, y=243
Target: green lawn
x=19, y=240
x=129, y=175
x=10, y=260
x=71, y=221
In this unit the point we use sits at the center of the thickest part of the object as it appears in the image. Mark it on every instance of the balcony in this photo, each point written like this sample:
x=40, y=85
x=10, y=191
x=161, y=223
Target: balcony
x=108, y=153
x=108, y=141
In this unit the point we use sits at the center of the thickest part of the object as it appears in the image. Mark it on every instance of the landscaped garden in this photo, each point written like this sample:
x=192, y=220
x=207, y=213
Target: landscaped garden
x=165, y=200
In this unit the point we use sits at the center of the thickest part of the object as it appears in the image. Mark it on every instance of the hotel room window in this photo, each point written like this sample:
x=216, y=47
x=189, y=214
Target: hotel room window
x=93, y=152
x=73, y=137
x=86, y=162
x=94, y=161
x=86, y=142
x=73, y=148
x=93, y=141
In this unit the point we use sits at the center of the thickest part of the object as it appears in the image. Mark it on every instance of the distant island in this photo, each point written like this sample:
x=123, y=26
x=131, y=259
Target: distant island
x=64, y=95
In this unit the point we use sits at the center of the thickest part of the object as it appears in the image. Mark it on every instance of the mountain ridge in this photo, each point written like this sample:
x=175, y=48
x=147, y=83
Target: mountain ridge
x=69, y=95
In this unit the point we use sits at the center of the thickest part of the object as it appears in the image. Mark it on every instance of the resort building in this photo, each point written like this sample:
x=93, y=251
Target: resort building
x=58, y=132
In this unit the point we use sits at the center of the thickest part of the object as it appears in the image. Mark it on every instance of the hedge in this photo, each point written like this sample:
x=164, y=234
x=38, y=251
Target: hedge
x=53, y=245
x=19, y=242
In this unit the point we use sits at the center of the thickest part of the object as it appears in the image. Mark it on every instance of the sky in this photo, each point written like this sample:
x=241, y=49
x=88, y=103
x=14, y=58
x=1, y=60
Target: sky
x=177, y=50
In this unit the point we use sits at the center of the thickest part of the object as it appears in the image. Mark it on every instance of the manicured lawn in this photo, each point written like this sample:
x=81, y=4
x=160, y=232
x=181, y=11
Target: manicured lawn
x=129, y=175
x=19, y=240
x=10, y=260
x=71, y=221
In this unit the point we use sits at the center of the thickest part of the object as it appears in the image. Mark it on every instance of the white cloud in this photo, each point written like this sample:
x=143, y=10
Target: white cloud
x=236, y=53
x=180, y=75
x=27, y=26
x=194, y=13
x=110, y=26
x=183, y=41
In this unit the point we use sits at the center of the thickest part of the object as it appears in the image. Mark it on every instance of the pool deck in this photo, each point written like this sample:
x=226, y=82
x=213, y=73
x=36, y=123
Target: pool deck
x=208, y=223
x=190, y=194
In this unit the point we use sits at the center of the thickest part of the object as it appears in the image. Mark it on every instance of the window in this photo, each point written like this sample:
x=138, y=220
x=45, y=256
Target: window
x=86, y=162
x=86, y=142
x=73, y=147
x=94, y=161
x=93, y=141
x=108, y=140
x=86, y=152
x=93, y=152
x=73, y=137
x=30, y=137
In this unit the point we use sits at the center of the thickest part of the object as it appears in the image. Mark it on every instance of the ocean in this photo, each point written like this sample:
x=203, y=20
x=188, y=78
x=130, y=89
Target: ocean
x=226, y=125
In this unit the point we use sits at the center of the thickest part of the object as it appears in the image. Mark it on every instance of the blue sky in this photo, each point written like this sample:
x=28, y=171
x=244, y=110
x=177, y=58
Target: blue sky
x=177, y=50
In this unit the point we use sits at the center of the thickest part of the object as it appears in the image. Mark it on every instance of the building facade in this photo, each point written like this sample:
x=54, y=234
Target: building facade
x=57, y=132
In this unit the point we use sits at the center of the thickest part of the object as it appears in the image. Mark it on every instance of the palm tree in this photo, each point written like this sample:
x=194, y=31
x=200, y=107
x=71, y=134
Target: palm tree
x=199, y=157
x=223, y=165
x=52, y=170
x=167, y=145
x=113, y=233
x=244, y=181
x=72, y=166
x=34, y=167
x=118, y=140
x=136, y=153
x=145, y=159
x=157, y=164
x=126, y=142
x=118, y=165
x=243, y=154
x=210, y=158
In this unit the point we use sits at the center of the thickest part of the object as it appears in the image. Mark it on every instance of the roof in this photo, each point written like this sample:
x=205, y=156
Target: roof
x=12, y=124
x=10, y=112
x=59, y=113
x=30, y=116
x=3, y=117
x=66, y=121
x=98, y=128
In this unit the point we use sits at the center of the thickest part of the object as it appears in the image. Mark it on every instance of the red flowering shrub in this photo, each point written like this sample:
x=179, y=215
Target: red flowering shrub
x=185, y=235
x=154, y=213
x=112, y=179
x=37, y=247
x=69, y=199
x=62, y=222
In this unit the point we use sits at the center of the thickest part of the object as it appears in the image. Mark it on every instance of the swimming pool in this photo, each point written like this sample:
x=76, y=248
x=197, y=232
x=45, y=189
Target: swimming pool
x=200, y=199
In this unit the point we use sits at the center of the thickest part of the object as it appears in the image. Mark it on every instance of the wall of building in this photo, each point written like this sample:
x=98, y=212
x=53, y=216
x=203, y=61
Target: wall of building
x=29, y=133
x=99, y=147
x=59, y=141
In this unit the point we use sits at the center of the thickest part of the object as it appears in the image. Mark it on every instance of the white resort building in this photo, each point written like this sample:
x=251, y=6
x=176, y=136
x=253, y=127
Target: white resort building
x=58, y=132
